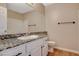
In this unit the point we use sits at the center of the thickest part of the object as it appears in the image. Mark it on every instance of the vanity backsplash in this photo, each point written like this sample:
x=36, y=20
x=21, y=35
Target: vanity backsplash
x=8, y=36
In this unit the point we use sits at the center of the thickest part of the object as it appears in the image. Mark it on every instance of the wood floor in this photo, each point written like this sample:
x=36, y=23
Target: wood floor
x=58, y=52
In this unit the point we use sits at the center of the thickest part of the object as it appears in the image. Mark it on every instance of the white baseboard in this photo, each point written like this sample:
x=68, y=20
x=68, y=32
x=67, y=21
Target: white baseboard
x=68, y=50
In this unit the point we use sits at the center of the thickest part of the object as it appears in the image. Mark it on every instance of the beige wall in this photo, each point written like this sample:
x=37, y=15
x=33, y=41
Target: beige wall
x=36, y=17
x=3, y=4
x=3, y=19
x=65, y=35
x=12, y=14
x=78, y=30
x=15, y=22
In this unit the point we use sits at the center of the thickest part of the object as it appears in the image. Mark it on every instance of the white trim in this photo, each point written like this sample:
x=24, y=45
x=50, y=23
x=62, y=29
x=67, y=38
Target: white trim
x=68, y=50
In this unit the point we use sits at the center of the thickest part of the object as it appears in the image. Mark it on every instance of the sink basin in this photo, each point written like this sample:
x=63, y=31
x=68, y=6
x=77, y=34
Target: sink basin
x=28, y=37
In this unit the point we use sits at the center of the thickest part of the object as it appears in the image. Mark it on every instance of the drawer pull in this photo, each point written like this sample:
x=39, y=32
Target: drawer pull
x=18, y=54
x=30, y=55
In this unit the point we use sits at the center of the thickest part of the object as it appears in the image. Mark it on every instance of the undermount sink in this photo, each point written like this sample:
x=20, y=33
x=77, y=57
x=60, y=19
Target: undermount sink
x=28, y=37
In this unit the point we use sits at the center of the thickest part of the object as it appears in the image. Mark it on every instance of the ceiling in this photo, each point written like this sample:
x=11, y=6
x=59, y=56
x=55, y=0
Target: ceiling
x=22, y=7
x=19, y=7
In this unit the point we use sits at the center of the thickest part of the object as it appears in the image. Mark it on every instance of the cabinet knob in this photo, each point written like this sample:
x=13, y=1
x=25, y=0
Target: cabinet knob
x=42, y=46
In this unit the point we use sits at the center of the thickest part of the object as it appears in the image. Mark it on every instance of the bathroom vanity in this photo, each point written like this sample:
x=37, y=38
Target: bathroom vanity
x=33, y=47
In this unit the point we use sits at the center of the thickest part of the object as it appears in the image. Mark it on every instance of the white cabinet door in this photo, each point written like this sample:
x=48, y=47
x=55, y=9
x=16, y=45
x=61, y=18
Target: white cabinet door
x=3, y=20
x=44, y=49
x=33, y=44
x=36, y=51
x=34, y=47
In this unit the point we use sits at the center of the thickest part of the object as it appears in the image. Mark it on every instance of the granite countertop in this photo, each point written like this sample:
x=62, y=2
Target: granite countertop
x=13, y=42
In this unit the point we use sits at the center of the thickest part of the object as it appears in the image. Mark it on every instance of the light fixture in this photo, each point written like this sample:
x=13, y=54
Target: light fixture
x=30, y=4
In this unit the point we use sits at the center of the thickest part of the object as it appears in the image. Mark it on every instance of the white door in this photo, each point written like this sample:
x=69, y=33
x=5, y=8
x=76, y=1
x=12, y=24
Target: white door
x=3, y=20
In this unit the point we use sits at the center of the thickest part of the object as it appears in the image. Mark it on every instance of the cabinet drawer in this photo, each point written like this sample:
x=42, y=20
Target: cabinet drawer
x=16, y=51
x=9, y=52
